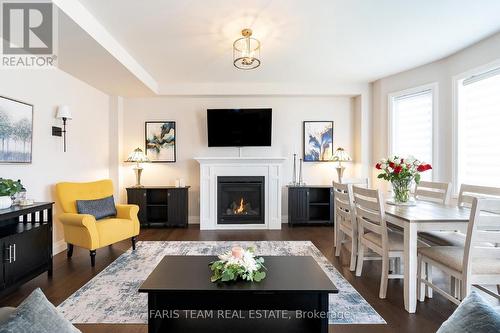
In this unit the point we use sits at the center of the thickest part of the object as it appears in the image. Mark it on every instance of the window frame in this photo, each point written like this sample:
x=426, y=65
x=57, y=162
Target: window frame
x=456, y=81
x=434, y=88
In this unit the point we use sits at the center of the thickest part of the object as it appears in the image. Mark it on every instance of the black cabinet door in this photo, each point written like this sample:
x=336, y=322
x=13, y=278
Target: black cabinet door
x=298, y=205
x=138, y=196
x=29, y=253
x=177, y=202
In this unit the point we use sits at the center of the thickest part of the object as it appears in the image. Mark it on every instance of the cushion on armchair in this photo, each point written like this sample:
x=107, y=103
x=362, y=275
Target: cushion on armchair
x=99, y=208
x=36, y=315
x=473, y=315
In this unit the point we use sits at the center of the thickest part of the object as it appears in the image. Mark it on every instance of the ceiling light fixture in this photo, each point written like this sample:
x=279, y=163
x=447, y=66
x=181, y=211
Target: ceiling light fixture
x=246, y=51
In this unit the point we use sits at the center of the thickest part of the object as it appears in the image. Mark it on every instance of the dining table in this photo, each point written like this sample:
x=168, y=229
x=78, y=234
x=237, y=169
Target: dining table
x=422, y=216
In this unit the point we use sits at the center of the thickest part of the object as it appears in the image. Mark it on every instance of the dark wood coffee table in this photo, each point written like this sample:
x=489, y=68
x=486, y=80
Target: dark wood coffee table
x=292, y=298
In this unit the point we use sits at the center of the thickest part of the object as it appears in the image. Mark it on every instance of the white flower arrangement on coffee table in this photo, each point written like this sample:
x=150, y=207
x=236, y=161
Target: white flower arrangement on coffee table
x=238, y=264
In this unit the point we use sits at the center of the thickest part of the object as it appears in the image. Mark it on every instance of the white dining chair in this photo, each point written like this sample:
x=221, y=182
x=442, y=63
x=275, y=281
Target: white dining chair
x=465, y=197
x=433, y=191
x=346, y=225
x=362, y=182
x=374, y=235
x=473, y=264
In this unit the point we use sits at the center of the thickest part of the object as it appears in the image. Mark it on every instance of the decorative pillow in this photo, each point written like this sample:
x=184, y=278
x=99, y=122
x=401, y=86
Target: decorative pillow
x=100, y=208
x=37, y=315
x=473, y=315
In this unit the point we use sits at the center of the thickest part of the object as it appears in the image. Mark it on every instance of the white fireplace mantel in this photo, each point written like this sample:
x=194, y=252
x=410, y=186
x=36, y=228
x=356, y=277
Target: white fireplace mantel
x=213, y=167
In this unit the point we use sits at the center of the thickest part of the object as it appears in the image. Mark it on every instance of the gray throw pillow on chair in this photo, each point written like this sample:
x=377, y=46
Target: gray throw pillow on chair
x=99, y=208
x=37, y=315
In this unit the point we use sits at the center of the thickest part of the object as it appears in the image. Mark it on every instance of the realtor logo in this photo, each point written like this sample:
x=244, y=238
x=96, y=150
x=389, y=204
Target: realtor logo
x=28, y=31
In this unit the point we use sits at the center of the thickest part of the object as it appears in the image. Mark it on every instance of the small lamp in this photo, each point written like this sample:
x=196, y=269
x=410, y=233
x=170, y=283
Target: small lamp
x=340, y=156
x=138, y=157
x=63, y=113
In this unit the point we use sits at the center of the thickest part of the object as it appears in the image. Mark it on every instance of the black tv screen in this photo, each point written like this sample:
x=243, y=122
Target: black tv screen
x=239, y=127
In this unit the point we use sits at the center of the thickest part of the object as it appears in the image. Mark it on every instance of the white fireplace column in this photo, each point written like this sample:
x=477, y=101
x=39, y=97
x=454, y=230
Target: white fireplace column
x=268, y=167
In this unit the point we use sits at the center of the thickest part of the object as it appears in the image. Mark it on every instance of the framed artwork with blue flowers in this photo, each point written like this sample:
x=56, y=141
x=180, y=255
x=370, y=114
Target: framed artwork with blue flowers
x=318, y=141
x=161, y=141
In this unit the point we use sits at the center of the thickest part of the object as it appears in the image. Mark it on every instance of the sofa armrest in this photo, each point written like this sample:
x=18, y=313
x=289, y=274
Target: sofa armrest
x=128, y=212
x=78, y=220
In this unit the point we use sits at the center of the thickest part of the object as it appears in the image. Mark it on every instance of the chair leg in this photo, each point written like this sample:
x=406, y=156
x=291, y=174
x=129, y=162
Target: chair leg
x=420, y=275
x=384, y=277
x=133, y=242
x=428, y=273
x=354, y=254
x=92, y=258
x=361, y=257
x=70, y=250
x=466, y=289
x=340, y=239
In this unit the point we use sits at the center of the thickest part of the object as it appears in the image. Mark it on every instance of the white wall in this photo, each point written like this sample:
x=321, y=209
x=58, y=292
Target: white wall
x=190, y=115
x=442, y=72
x=87, y=156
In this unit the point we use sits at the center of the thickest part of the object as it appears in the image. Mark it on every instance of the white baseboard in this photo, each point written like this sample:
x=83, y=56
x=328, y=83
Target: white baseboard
x=196, y=219
x=58, y=247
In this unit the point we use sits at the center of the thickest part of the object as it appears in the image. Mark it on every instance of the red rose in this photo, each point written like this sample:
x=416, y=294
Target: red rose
x=378, y=166
x=398, y=169
x=424, y=167
x=392, y=165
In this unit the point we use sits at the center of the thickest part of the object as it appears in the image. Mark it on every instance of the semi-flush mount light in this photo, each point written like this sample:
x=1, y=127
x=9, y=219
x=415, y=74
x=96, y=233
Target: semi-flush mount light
x=246, y=51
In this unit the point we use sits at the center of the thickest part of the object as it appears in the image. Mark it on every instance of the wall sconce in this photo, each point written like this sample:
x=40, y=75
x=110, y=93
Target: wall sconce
x=64, y=114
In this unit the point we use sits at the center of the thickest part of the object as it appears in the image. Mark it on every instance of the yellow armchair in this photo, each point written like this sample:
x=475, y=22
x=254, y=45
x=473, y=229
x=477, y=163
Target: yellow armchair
x=82, y=229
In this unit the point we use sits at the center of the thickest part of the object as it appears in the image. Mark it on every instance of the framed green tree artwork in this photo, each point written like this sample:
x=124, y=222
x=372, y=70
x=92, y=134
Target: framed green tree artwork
x=16, y=131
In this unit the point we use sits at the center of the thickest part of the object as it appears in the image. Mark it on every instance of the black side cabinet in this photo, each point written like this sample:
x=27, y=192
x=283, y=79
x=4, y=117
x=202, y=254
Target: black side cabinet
x=310, y=205
x=160, y=205
x=25, y=243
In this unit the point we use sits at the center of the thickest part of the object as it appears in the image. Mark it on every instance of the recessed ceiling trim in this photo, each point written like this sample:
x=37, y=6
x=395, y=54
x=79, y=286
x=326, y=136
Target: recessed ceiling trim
x=81, y=16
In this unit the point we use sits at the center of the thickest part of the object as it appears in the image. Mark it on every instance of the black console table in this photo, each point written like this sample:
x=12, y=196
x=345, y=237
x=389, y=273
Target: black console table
x=310, y=205
x=160, y=205
x=26, y=244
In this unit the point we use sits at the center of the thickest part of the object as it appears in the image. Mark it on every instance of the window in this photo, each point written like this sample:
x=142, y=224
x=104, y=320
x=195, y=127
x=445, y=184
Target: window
x=478, y=129
x=411, y=124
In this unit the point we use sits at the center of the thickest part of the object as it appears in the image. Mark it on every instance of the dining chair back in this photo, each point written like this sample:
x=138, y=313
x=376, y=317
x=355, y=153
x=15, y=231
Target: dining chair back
x=346, y=224
x=433, y=191
x=469, y=192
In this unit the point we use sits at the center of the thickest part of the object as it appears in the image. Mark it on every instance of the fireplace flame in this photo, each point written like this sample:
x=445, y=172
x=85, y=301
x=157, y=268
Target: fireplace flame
x=241, y=207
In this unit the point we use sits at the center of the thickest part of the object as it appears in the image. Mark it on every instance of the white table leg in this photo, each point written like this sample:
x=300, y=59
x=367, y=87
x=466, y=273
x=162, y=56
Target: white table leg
x=410, y=267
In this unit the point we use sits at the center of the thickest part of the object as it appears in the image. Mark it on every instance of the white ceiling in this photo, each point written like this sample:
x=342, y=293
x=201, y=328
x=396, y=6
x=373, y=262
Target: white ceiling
x=303, y=41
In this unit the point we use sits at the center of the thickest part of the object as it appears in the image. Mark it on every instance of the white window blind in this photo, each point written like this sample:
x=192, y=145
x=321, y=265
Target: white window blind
x=412, y=116
x=479, y=129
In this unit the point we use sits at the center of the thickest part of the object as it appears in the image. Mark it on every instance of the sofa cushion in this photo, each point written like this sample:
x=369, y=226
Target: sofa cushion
x=473, y=315
x=100, y=208
x=36, y=315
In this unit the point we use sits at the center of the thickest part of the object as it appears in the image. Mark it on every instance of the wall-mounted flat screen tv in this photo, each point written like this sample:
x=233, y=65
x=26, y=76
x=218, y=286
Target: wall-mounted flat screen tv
x=239, y=127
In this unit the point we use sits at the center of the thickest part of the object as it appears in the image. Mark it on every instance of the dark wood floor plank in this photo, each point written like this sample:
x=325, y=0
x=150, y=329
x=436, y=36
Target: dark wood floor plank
x=70, y=275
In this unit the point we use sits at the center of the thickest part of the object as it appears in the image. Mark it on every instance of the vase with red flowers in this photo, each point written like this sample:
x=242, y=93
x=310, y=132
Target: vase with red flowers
x=401, y=173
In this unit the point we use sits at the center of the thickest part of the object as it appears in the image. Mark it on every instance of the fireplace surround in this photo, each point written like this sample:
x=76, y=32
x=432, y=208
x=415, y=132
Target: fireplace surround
x=270, y=168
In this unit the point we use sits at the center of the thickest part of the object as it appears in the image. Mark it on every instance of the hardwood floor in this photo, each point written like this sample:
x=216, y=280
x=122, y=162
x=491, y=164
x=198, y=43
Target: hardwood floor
x=70, y=275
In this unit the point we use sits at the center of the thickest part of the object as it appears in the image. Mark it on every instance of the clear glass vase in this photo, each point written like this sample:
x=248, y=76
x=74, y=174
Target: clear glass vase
x=401, y=190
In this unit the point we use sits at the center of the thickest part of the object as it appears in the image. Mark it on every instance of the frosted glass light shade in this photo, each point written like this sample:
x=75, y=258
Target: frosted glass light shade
x=246, y=51
x=63, y=112
x=341, y=155
x=137, y=156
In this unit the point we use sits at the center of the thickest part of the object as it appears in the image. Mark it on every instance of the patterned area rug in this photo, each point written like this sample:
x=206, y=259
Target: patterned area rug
x=112, y=297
